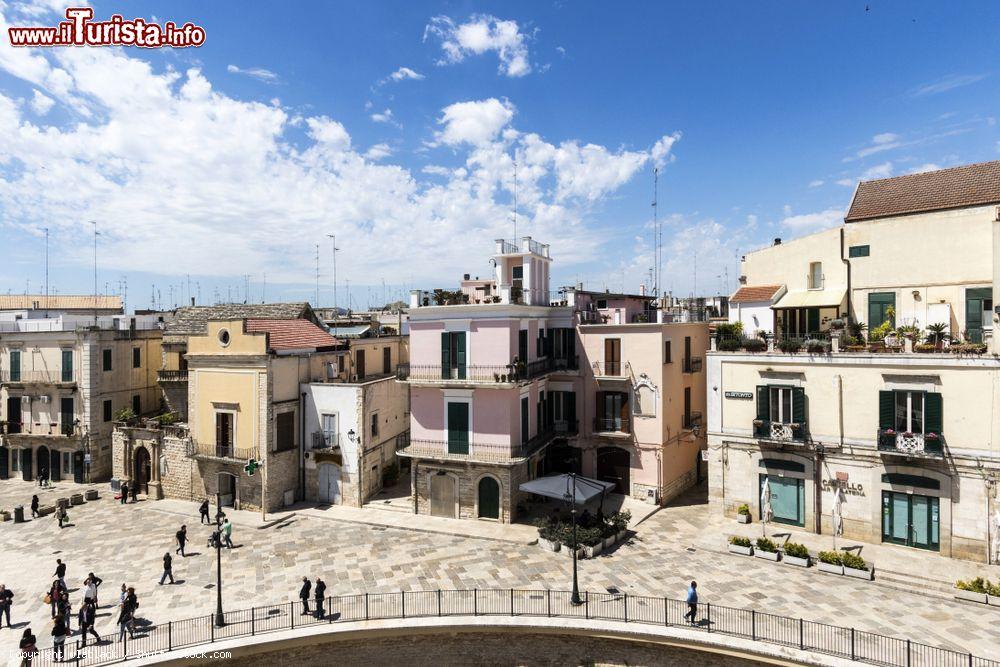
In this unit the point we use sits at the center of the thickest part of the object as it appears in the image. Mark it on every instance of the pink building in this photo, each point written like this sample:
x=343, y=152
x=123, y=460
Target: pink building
x=504, y=392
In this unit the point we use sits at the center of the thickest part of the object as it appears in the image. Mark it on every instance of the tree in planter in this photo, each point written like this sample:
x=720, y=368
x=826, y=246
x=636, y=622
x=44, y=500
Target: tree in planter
x=815, y=346
x=766, y=544
x=125, y=415
x=796, y=550
x=853, y=561
x=738, y=541
x=743, y=509
x=831, y=557
x=936, y=333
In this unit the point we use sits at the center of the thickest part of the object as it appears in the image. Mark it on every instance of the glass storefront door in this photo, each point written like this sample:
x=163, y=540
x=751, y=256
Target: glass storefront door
x=911, y=520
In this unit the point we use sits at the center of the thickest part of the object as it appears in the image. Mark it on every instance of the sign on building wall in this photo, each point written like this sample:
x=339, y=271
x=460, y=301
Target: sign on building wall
x=848, y=488
x=740, y=395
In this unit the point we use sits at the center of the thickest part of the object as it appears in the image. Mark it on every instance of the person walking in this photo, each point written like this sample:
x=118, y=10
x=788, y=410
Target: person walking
x=227, y=534
x=6, y=598
x=692, y=602
x=60, y=572
x=34, y=506
x=320, y=597
x=124, y=492
x=167, y=568
x=303, y=595
x=66, y=611
x=62, y=516
x=203, y=510
x=133, y=603
x=124, y=619
x=182, y=535
x=54, y=595
x=96, y=582
x=87, y=618
x=134, y=490
x=27, y=647
x=59, y=633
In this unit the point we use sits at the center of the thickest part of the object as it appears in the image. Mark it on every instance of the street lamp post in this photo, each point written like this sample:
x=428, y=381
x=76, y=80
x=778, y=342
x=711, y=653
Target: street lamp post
x=220, y=618
x=575, y=598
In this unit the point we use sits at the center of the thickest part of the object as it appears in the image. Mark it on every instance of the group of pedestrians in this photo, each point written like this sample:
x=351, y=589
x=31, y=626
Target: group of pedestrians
x=319, y=596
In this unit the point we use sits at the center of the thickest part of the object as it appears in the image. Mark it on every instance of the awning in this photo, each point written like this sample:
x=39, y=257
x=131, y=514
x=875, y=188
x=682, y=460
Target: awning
x=560, y=487
x=812, y=298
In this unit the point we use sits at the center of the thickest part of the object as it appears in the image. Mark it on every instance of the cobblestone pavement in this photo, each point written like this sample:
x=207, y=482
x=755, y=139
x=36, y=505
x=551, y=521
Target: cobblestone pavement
x=125, y=544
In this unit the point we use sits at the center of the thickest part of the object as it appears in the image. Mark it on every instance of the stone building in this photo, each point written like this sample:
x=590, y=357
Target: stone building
x=898, y=423
x=64, y=376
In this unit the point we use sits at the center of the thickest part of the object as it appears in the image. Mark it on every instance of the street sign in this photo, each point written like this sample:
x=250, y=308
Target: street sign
x=252, y=466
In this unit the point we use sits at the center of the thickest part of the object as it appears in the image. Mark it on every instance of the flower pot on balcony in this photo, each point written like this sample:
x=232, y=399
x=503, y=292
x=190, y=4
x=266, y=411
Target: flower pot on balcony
x=743, y=551
x=796, y=561
x=868, y=575
x=767, y=555
x=831, y=568
x=972, y=596
x=743, y=518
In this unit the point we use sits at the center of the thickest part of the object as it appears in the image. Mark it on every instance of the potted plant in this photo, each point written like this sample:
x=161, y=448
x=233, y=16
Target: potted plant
x=755, y=345
x=831, y=561
x=592, y=540
x=936, y=333
x=973, y=590
x=743, y=513
x=766, y=549
x=619, y=520
x=924, y=348
x=855, y=566
x=796, y=554
x=837, y=324
x=789, y=346
x=547, y=538
x=740, y=545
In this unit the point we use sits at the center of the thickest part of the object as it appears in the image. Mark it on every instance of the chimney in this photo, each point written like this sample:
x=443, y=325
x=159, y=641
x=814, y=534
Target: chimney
x=192, y=301
x=642, y=289
x=777, y=241
x=465, y=277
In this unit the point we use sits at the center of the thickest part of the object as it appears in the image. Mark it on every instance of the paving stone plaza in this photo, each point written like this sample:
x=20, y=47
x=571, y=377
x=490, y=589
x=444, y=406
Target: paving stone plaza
x=126, y=543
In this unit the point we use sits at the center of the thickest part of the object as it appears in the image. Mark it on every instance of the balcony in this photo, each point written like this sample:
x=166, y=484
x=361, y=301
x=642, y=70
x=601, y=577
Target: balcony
x=58, y=377
x=779, y=431
x=507, y=374
x=920, y=445
x=172, y=376
x=39, y=429
x=691, y=421
x=613, y=425
x=502, y=453
x=614, y=370
x=325, y=441
x=564, y=427
x=230, y=454
x=692, y=365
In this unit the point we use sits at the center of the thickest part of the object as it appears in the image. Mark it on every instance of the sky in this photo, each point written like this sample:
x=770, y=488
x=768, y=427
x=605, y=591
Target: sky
x=395, y=126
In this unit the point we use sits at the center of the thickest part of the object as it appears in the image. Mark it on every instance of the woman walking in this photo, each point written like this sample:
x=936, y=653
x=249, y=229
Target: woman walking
x=59, y=633
x=34, y=506
x=27, y=647
x=124, y=620
x=95, y=582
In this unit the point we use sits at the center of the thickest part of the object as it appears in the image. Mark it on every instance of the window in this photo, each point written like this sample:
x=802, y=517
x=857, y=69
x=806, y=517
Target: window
x=15, y=365
x=858, y=251
x=359, y=361
x=107, y=410
x=137, y=404
x=602, y=304
x=284, y=431
x=15, y=459
x=815, y=275
x=386, y=360
x=66, y=415
x=340, y=364
x=374, y=424
x=909, y=411
x=781, y=404
x=106, y=357
x=667, y=358
x=67, y=365
x=687, y=407
x=612, y=356
x=329, y=426
x=67, y=463
x=453, y=355
x=525, y=415
x=225, y=433
x=881, y=308
x=136, y=357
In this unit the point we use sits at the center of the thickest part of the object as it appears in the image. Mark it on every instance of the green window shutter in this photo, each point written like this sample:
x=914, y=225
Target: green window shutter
x=799, y=405
x=15, y=365
x=445, y=354
x=570, y=408
x=932, y=413
x=67, y=365
x=763, y=402
x=460, y=354
x=886, y=409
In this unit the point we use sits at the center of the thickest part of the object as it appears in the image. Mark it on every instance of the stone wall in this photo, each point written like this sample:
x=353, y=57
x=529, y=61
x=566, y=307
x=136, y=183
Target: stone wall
x=468, y=475
x=501, y=648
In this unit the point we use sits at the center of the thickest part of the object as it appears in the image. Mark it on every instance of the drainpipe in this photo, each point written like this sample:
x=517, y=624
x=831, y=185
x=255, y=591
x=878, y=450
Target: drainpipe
x=302, y=447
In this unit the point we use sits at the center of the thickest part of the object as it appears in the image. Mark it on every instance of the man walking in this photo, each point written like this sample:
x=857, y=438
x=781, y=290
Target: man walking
x=6, y=597
x=34, y=506
x=124, y=492
x=87, y=617
x=320, y=596
x=60, y=572
x=204, y=512
x=692, y=601
x=181, y=539
x=227, y=533
x=303, y=595
x=167, y=568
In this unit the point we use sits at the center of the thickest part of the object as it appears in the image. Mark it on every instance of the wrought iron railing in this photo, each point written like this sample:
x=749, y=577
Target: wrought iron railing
x=615, y=369
x=613, y=424
x=779, y=431
x=692, y=365
x=476, y=451
x=911, y=444
x=749, y=624
x=68, y=429
x=37, y=377
x=229, y=453
x=172, y=376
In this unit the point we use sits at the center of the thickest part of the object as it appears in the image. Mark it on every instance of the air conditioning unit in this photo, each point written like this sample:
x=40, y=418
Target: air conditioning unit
x=44, y=398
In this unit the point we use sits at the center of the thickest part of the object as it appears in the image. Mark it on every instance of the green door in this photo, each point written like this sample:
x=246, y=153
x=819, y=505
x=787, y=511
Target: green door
x=879, y=304
x=975, y=303
x=489, y=498
x=787, y=499
x=458, y=428
x=910, y=520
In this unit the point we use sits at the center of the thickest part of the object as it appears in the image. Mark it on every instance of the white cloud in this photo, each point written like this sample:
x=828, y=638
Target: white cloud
x=927, y=166
x=474, y=122
x=41, y=103
x=883, y=170
x=879, y=143
x=378, y=152
x=661, y=149
x=480, y=34
x=404, y=73
x=846, y=182
x=816, y=183
x=945, y=84
x=561, y=51
x=259, y=73
x=810, y=222
x=383, y=117
x=329, y=133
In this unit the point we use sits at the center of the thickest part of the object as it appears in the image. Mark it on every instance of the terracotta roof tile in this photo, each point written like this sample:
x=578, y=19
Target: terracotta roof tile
x=958, y=187
x=298, y=334
x=193, y=320
x=754, y=293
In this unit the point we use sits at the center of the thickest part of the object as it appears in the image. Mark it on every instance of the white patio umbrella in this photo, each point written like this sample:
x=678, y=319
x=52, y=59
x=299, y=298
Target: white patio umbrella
x=837, y=518
x=766, y=512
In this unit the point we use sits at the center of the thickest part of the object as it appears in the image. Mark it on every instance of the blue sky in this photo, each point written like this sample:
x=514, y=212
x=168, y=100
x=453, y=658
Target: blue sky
x=240, y=156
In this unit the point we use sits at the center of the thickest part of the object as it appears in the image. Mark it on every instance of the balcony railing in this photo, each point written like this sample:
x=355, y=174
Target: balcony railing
x=172, y=376
x=779, y=431
x=612, y=425
x=566, y=426
x=612, y=369
x=911, y=444
x=692, y=365
x=37, y=377
x=476, y=451
x=323, y=440
x=212, y=451
x=483, y=374
x=67, y=429
x=691, y=420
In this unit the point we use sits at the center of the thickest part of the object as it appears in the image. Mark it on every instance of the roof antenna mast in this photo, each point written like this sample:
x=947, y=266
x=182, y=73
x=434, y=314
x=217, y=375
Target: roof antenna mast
x=515, y=201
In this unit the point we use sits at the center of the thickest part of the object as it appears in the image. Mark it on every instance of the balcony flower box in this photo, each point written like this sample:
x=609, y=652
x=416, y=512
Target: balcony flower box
x=931, y=436
x=972, y=596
